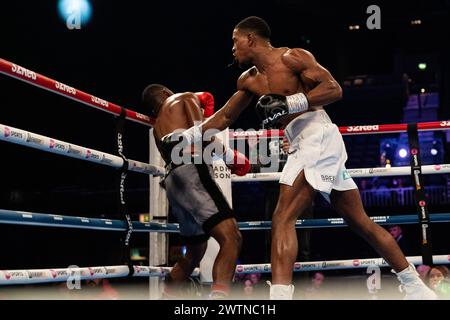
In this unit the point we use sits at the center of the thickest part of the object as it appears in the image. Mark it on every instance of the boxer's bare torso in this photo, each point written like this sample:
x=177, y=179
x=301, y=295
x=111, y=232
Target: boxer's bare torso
x=280, y=77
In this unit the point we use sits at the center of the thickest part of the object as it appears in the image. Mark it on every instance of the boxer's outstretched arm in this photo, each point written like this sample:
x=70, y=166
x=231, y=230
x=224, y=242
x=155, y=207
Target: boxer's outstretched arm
x=225, y=117
x=327, y=89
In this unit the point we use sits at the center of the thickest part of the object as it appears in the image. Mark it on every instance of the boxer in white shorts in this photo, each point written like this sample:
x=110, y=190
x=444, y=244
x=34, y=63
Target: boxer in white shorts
x=293, y=88
x=314, y=134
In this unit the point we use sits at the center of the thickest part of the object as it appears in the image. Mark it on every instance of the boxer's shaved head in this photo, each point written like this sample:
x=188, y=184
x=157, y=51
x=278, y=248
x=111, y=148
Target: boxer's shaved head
x=154, y=96
x=256, y=25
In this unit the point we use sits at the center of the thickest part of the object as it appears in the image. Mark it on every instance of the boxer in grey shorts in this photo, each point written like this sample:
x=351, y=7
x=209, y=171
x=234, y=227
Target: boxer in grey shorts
x=196, y=201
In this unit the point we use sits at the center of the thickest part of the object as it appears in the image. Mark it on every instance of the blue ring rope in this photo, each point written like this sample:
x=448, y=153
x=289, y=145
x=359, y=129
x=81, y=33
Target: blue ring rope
x=50, y=220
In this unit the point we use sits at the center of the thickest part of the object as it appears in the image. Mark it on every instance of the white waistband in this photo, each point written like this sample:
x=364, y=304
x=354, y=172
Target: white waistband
x=294, y=127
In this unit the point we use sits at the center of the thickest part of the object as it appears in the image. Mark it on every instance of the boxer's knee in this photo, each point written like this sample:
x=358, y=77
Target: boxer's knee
x=234, y=238
x=227, y=234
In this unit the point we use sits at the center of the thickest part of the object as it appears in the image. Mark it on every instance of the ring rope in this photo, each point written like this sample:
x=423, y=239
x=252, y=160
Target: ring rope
x=354, y=173
x=36, y=141
x=347, y=130
x=51, y=220
x=336, y=264
x=34, y=276
x=38, y=80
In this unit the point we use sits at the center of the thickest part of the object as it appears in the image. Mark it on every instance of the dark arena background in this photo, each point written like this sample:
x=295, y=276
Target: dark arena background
x=396, y=74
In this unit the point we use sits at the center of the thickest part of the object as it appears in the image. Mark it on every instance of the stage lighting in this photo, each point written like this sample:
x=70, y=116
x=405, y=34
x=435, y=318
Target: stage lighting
x=402, y=153
x=75, y=13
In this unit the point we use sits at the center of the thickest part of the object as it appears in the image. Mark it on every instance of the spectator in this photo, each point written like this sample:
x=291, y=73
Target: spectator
x=439, y=281
x=251, y=284
x=423, y=270
x=317, y=280
x=316, y=290
x=254, y=278
x=397, y=233
x=248, y=289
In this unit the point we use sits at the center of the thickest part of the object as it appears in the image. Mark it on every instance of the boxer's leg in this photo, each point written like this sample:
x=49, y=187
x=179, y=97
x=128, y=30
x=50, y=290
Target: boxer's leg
x=292, y=202
x=229, y=238
x=183, y=268
x=349, y=205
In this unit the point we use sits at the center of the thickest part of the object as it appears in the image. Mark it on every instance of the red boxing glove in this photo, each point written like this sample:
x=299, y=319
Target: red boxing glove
x=240, y=165
x=206, y=103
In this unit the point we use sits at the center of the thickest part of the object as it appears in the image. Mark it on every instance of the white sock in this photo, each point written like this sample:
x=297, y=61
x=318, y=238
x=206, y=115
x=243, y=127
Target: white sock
x=413, y=286
x=281, y=291
x=408, y=275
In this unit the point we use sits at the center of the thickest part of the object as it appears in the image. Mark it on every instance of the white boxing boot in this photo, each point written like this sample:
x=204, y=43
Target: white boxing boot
x=413, y=286
x=281, y=291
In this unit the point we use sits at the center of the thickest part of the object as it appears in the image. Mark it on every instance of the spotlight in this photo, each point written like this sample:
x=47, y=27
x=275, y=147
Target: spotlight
x=402, y=153
x=433, y=151
x=75, y=10
x=422, y=66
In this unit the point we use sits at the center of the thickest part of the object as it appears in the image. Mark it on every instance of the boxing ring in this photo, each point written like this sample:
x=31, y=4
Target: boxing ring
x=158, y=206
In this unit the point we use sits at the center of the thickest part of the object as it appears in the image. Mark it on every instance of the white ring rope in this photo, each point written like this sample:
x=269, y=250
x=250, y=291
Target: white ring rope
x=11, y=277
x=36, y=141
x=354, y=173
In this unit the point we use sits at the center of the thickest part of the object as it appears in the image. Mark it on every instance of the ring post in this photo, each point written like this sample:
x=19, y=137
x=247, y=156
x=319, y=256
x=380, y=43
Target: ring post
x=222, y=176
x=158, y=212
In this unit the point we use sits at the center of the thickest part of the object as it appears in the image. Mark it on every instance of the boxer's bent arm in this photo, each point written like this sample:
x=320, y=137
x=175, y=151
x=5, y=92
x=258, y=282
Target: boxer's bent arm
x=327, y=90
x=194, y=116
x=225, y=117
x=192, y=109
